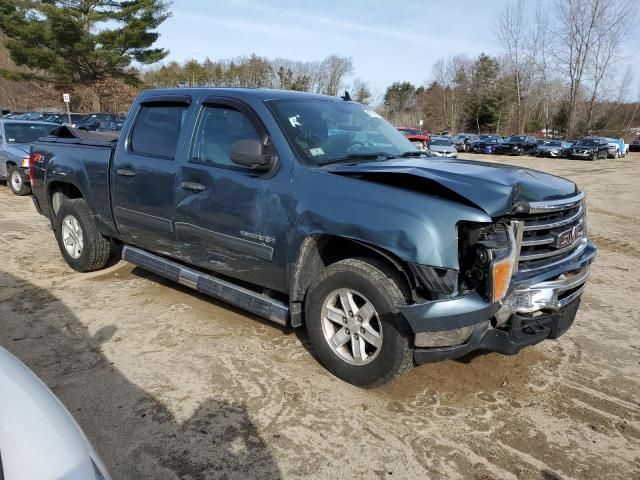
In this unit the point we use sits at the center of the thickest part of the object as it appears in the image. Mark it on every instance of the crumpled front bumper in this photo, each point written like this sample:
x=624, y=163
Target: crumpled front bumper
x=506, y=326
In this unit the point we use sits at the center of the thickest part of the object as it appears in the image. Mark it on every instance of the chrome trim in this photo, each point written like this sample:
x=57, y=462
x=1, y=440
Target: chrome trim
x=534, y=242
x=555, y=205
x=517, y=232
x=544, y=295
x=553, y=253
x=543, y=226
x=581, y=247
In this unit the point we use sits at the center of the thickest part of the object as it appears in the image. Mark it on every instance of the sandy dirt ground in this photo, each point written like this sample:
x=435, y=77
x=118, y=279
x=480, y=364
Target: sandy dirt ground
x=168, y=384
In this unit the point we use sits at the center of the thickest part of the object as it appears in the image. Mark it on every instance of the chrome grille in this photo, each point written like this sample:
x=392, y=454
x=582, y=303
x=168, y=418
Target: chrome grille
x=552, y=232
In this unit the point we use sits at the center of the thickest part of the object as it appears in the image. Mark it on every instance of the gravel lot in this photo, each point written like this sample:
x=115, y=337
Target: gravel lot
x=169, y=384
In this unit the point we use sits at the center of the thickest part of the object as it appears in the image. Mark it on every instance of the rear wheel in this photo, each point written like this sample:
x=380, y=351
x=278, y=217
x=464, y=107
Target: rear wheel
x=353, y=324
x=82, y=246
x=18, y=182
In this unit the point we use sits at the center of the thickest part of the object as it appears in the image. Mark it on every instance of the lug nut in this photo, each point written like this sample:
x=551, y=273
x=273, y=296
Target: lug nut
x=351, y=314
x=355, y=336
x=362, y=330
x=347, y=331
x=344, y=319
x=359, y=319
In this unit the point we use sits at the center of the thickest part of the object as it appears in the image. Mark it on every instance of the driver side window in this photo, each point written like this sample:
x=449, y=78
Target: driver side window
x=218, y=128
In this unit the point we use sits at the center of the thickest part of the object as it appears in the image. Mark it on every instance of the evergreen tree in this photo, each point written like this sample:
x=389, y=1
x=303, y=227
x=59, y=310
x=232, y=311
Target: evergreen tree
x=83, y=41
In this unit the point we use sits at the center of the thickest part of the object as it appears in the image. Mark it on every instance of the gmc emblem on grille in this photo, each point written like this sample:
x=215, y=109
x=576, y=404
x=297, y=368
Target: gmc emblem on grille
x=568, y=237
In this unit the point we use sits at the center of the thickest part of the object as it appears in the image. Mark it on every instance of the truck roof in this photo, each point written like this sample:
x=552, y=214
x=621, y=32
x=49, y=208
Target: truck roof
x=263, y=94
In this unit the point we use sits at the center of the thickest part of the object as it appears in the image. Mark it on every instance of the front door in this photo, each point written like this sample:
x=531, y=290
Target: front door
x=144, y=176
x=229, y=218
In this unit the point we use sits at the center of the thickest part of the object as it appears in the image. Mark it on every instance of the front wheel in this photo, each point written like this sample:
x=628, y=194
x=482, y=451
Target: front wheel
x=353, y=324
x=82, y=246
x=18, y=182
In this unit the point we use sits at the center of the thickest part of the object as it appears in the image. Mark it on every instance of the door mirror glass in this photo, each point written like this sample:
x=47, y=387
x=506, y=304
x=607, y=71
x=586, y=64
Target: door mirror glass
x=248, y=153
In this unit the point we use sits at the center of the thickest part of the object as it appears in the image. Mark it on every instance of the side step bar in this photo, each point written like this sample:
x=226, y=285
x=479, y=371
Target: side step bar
x=241, y=297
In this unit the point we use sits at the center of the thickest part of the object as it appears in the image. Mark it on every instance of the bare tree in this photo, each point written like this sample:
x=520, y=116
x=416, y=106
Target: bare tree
x=516, y=40
x=453, y=75
x=586, y=35
x=334, y=70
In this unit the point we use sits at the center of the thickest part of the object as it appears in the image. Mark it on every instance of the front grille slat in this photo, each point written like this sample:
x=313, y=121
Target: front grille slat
x=546, y=230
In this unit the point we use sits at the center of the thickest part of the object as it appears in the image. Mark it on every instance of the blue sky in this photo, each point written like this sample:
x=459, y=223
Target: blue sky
x=388, y=40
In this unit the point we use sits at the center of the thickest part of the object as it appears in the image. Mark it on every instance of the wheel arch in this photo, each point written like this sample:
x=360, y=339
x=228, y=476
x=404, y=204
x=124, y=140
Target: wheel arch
x=317, y=252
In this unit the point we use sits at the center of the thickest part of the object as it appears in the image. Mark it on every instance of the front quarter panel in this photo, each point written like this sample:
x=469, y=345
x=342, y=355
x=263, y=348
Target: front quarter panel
x=414, y=226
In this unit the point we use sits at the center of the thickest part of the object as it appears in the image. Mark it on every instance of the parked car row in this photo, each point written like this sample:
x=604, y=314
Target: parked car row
x=83, y=121
x=591, y=148
x=19, y=129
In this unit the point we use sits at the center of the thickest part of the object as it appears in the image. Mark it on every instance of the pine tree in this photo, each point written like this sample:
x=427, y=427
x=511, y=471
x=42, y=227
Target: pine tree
x=82, y=41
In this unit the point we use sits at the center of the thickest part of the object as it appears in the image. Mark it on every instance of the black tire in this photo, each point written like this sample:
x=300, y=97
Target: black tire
x=17, y=182
x=383, y=289
x=96, y=248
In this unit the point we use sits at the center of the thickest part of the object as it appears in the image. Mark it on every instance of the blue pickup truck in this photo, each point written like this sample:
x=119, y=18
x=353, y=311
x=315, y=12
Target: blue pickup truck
x=313, y=211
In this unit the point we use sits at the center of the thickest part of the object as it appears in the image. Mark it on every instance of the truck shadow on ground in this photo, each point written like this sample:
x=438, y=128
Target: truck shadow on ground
x=135, y=434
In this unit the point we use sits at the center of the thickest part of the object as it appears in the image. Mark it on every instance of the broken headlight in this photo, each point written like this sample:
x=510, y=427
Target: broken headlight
x=488, y=259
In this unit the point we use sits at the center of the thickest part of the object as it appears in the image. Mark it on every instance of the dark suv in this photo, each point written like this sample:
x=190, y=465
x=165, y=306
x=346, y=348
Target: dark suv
x=517, y=145
x=590, y=148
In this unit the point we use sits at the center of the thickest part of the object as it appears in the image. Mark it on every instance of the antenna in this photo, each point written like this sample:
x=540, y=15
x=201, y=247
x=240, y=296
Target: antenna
x=346, y=97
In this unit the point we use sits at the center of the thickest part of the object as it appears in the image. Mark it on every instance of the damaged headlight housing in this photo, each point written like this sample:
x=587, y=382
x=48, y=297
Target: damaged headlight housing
x=488, y=259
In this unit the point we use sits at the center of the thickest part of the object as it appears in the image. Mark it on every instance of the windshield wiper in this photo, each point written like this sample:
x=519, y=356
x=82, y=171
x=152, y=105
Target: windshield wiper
x=360, y=156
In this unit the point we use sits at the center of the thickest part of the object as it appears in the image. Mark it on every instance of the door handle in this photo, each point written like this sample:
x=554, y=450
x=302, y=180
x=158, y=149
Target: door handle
x=126, y=172
x=193, y=186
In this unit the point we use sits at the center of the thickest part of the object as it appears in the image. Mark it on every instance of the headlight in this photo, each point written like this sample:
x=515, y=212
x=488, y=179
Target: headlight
x=24, y=162
x=488, y=258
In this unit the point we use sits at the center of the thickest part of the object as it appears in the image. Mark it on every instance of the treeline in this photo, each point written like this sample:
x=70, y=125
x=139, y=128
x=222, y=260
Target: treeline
x=560, y=70
x=327, y=76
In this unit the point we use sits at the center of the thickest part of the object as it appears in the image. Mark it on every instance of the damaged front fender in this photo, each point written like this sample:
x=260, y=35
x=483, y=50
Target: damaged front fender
x=415, y=227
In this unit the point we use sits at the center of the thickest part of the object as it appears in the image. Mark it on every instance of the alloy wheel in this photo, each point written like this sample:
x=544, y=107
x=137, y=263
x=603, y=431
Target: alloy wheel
x=351, y=327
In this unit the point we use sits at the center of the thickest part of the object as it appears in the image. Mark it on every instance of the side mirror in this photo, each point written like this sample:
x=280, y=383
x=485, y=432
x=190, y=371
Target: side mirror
x=248, y=153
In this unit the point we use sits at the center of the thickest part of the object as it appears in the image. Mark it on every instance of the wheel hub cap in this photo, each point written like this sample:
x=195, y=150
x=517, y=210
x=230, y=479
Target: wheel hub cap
x=72, y=236
x=351, y=327
x=16, y=179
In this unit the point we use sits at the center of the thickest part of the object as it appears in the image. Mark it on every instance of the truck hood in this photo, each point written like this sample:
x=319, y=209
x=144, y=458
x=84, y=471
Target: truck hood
x=494, y=188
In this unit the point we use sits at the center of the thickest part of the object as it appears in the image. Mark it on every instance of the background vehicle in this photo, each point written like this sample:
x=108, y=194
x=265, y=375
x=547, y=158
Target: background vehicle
x=419, y=138
x=15, y=137
x=441, y=147
x=93, y=121
x=590, y=148
x=617, y=147
x=518, y=145
x=635, y=145
x=486, y=145
x=38, y=436
x=306, y=209
x=462, y=141
x=552, y=148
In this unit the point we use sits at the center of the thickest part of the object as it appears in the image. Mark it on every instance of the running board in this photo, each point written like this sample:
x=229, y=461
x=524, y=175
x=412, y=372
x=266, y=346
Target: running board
x=217, y=288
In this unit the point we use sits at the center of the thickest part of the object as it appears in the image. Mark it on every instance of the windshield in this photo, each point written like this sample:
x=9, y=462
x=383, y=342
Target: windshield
x=325, y=131
x=26, y=132
x=443, y=142
x=516, y=138
x=588, y=143
x=552, y=143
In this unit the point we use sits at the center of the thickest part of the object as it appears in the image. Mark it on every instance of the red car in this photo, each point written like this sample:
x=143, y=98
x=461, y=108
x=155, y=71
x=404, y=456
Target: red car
x=415, y=136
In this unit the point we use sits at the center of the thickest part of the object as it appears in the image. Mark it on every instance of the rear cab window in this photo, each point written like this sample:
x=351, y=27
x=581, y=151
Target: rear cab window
x=156, y=130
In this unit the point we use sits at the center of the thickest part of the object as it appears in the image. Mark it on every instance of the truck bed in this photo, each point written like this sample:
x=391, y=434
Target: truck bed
x=84, y=159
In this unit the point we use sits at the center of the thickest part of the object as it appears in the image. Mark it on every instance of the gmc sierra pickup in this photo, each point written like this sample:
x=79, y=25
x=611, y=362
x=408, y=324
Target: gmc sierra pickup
x=310, y=210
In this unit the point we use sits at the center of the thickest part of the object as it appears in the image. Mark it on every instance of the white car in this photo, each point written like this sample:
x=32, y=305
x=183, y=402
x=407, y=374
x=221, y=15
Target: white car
x=39, y=439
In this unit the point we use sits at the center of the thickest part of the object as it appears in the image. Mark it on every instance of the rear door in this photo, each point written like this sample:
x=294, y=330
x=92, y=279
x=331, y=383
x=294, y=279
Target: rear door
x=144, y=173
x=230, y=218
